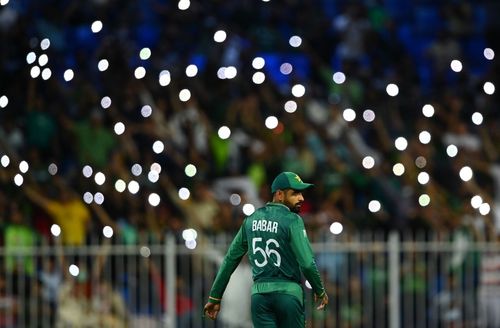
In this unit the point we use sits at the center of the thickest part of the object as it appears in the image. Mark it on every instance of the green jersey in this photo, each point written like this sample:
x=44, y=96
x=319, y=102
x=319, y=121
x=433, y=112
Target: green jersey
x=278, y=251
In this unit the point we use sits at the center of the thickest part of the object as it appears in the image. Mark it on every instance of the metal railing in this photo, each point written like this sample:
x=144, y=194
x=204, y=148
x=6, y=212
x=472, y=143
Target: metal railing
x=373, y=281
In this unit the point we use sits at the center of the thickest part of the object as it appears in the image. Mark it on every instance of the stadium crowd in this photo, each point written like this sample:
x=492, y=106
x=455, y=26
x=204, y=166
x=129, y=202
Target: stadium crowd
x=60, y=125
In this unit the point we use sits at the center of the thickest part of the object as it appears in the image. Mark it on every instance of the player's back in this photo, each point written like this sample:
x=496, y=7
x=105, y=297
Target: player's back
x=269, y=251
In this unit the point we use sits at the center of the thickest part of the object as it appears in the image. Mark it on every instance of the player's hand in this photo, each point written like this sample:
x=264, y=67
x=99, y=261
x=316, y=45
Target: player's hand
x=321, y=301
x=211, y=309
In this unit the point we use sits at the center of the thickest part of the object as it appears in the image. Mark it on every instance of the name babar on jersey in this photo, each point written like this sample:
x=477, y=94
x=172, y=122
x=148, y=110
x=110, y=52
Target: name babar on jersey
x=265, y=225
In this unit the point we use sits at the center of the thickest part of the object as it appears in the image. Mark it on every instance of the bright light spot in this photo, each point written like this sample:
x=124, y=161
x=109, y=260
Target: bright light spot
x=307, y=283
x=190, y=244
x=424, y=200
x=183, y=4
x=374, y=206
x=428, y=110
x=18, y=179
x=248, y=209
x=456, y=65
x=43, y=60
x=46, y=73
x=452, y=150
x=88, y=197
x=489, y=53
x=184, y=193
x=298, y=90
x=158, y=146
x=55, y=230
x=477, y=118
x=476, y=201
x=424, y=137
x=153, y=176
x=68, y=75
x=295, y=41
x=191, y=70
x=87, y=171
x=220, y=36
x=154, y=199
x=230, y=72
x=119, y=128
x=401, y=143
x=5, y=160
x=164, y=78
x=489, y=88
x=96, y=26
x=290, y=106
x=368, y=115
x=258, y=78
x=190, y=170
x=258, y=62
x=99, y=198
x=423, y=178
x=30, y=57
x=74, y=270
x=145, y=251
x=271, y=122
x=368, y=162
x=155, y=167
x=45, y=44
x=221, y=73
x=420, y=162
x=286, y=68
x=336, y=228
x=145, y=53
x=103, y=65
x=99, y=178
x=392, y=89
x=224, y=132
x=120, y=185
x=235, y=199
x=136, y=169
x=139, y=72
x=133, y=187
x=484, y=209
x=52, y=169
x=107, y=231
x=339, y=77
x=189, y=234
x=4, y=101
x=466, y=173
x=398, y=169
x=105, y=102
x=24, y=166
x=184, y=95
x=146, y=111
x=349, y=114
x=35, y=71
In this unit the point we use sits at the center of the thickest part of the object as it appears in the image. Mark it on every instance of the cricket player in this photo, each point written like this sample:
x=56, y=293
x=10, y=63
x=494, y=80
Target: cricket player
x=279, y=253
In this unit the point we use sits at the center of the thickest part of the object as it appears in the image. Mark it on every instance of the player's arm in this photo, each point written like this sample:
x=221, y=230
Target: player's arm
x=304, y=255
x=236, y=251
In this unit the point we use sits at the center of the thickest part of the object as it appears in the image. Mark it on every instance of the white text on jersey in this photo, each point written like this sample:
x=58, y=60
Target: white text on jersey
x=265, y=225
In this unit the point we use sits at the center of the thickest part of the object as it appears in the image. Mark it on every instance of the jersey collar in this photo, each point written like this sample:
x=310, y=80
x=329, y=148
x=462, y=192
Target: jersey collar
x=277, y=204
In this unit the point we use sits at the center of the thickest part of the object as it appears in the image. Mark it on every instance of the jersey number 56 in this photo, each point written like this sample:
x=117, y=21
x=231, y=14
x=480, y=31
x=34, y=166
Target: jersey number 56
x=266, y=252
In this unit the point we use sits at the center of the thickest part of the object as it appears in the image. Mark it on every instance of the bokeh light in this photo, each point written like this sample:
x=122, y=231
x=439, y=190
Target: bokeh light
x=466, y=173
x=184, y=193
x=368, y=162
x=349, y=114
x=220, y=36
x=392, y=89
x=248, y=209
x=398, y=169
x=336, y=228
x=224, y=132
x=374, y=206
x=401, y=143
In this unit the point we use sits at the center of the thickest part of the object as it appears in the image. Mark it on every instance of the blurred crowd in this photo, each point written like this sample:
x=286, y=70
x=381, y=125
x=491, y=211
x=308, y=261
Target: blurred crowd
x=59, y=125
